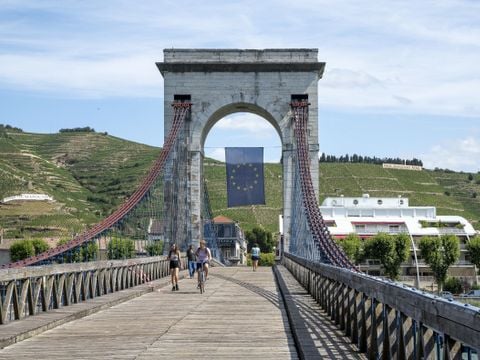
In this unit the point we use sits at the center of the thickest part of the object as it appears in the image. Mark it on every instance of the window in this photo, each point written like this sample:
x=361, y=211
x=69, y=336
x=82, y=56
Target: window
x=360, y=228
x=227, y=231
x=379, y=202
x=182, y=98
x=394, y=228
x=299, y=97
x=355, y=202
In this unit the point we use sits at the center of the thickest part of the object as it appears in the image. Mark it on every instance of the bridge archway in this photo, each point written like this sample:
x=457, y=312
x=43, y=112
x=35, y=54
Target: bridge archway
x=222, y=82
x=235, y=108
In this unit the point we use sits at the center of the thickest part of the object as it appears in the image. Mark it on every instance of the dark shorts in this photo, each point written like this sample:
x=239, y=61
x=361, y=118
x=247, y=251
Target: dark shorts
x=255, y=258
x=174, y=264
x=199, y=264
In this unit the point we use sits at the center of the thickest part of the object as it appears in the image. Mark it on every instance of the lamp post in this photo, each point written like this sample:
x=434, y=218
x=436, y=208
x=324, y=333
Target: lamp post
x=417, y=279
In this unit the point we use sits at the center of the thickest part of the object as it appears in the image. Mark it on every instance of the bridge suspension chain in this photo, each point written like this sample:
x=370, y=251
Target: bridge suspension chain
x=329, y=251
x=181, y=109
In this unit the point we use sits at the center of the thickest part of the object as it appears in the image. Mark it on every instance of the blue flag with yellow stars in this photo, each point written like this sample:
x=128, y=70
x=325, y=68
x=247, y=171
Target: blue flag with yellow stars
x=244, y=176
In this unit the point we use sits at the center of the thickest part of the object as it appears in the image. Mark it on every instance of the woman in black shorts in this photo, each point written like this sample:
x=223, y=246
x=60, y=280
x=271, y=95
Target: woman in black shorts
x=175, y=263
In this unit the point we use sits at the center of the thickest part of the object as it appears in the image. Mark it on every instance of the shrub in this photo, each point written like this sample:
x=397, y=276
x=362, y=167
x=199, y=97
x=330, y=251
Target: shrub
x=154, y=248
x=266, y=259
x=453, y=285
x=90, y=251
x=85, y=252
x=447, y=193
x=40, y=246
x=120, y=248
x=22, y=249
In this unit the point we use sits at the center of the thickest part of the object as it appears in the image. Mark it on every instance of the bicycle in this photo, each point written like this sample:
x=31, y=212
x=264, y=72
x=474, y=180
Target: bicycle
x=201, y=278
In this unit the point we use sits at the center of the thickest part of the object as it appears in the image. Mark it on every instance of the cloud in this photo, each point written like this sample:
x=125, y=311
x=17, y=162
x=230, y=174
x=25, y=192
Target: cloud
x=216, y=153
x=382, y=56
x=457, y=154
x=134, y=76
x=251, y=123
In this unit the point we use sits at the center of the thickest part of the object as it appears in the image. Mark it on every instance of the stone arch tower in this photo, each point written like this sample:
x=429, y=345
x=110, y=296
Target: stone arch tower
x=220, y=82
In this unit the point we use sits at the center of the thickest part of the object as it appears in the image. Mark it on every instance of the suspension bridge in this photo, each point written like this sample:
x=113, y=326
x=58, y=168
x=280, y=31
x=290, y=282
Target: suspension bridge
x=314, y=304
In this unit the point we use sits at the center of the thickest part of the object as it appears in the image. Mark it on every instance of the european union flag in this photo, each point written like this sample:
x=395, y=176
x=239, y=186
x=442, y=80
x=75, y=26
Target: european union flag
x=244, y=176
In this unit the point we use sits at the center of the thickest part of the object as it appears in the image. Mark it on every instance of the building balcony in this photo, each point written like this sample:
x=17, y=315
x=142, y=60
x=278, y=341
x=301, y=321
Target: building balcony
x=453, y=231
x=376, y=231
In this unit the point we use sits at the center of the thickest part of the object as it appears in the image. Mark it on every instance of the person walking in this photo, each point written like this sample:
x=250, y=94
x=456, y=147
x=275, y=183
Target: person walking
x=175, y=263
x=255, y=256
x=192, y=259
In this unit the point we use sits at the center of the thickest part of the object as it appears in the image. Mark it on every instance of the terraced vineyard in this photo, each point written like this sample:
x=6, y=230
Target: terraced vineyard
x=90, y=174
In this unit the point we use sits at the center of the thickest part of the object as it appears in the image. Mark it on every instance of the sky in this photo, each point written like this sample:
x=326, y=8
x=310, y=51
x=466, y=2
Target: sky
x=402, y=78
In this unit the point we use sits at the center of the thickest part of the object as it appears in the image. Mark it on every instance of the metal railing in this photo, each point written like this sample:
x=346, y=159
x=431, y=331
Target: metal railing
x=32, y=290
x=390, y=320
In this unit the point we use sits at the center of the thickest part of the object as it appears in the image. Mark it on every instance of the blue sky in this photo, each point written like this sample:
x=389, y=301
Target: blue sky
x=402, y=77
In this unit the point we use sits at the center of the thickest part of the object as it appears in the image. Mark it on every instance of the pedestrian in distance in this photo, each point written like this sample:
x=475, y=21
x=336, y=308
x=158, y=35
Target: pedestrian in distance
x=255, y=256
x=192, y=260
x=175, y=263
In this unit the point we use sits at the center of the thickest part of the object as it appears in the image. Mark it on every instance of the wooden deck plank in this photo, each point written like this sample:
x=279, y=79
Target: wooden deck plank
x=239, y=313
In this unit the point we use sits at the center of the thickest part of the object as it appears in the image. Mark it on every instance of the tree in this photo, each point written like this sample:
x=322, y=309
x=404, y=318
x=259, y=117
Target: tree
x=352, y=246
x=439, y=253
x=392, y=251
x=261, y=237
x=21, y=249
x=473, y=247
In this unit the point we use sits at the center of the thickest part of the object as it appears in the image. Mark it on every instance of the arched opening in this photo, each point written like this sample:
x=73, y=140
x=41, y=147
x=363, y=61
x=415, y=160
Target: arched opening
x=242, y=129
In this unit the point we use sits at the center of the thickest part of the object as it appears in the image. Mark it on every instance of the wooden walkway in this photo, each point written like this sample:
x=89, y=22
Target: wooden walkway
x=240, y=316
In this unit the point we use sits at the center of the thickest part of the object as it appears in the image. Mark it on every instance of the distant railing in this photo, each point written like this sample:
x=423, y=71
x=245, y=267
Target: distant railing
x=388, y=320
x=32, y=290
x=451, y=231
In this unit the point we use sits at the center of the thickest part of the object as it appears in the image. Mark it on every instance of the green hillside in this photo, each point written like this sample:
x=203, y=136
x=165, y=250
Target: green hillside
x=452, y=193
x=89, y=174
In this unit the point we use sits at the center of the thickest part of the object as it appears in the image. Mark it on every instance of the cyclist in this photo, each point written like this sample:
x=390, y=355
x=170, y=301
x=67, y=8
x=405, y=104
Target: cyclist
x=175, y=263
x=203, y=257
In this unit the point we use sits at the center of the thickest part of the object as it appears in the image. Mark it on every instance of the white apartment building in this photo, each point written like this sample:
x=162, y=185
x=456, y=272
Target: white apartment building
x=367, y=216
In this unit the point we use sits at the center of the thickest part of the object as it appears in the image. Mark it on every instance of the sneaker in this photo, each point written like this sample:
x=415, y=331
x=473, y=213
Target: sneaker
x=176, y=287
x=173, y=288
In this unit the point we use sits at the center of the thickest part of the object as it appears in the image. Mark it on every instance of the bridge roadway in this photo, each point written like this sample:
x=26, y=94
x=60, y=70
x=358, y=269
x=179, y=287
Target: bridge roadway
x=241, y=315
